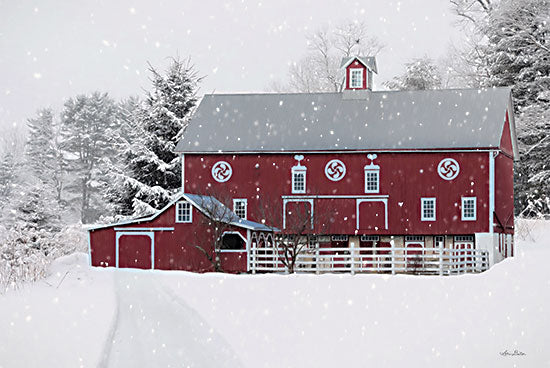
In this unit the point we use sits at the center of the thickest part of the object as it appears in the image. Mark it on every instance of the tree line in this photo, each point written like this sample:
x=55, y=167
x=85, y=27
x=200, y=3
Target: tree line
x=507, y=43
x=97, y=160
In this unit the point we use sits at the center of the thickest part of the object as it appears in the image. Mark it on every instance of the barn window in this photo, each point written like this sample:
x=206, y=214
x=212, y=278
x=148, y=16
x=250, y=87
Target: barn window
x=439, y=242
x=356, y=78
x=339, y=238
x=183, y=212
x=371, y=238
x=232, y=241
x=372, y=180
x=427, y=210
x=240, y=207
x=372, y=175
x=469, y=209
x=299, y=176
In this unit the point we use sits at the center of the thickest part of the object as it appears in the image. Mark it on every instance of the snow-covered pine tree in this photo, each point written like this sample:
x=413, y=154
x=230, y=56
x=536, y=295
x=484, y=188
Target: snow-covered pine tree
x=88, y=126
x=513, y=49
x=420, y=73
x=519, y=56
x=42, y=155
x=153, y=170
x=7, y=176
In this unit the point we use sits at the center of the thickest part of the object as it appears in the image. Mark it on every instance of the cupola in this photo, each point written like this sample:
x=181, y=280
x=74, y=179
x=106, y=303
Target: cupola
x=358, y=72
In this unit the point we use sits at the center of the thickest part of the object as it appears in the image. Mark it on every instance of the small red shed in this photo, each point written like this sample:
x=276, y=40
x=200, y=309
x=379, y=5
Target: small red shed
x=178, y=237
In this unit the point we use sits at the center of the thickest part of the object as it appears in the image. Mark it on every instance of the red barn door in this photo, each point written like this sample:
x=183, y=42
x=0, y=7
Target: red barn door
x=135, y=250
x=372, y=215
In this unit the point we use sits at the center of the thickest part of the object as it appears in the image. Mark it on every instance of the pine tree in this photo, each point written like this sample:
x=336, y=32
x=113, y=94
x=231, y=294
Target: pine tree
x=88, y=126
x=514, y=50
x=152, y=171
x=7, y=176
x=519, y=56
x=43, y=157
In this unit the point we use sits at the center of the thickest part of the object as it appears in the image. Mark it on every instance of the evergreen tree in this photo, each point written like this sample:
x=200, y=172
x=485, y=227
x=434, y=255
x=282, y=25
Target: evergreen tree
x=513, y=49
x=88, y=126
x=152, y=171
x=7, y=176
x=42, y=154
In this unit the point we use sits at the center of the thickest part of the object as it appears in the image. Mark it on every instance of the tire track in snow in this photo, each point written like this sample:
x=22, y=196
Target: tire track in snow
x=154, y=327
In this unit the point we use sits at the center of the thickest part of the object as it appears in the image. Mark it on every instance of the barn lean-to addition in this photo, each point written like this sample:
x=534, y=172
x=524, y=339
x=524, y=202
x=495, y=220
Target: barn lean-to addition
x=390, y=181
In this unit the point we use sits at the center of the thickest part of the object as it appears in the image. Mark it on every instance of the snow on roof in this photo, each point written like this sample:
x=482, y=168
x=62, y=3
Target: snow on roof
x=352, y=120
x=216, y=210
x=368, y=61
x=208, y=205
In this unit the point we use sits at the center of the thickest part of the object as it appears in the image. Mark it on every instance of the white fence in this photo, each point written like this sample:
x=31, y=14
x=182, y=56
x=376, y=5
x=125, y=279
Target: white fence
x=427, y=261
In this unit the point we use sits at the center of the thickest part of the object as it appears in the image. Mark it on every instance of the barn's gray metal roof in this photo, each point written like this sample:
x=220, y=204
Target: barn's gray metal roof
x=368, y=61
x=353, y=120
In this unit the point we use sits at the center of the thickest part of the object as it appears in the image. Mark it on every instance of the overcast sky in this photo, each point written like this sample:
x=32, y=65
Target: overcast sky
x=51, y=50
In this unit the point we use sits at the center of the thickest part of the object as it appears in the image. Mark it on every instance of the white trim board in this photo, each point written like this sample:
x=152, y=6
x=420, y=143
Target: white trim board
x=144, y=229
x=359, y=196
x=358, y=202
x=328, y=151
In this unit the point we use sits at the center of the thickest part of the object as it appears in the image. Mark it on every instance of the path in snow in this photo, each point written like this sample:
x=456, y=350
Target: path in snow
x=153, y=327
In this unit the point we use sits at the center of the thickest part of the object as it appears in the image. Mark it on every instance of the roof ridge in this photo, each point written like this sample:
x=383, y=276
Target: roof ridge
x=373, y=92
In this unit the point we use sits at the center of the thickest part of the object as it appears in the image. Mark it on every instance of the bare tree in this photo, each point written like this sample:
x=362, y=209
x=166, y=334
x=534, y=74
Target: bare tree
x=217, y=221
x=319, y=70
x=298, y=234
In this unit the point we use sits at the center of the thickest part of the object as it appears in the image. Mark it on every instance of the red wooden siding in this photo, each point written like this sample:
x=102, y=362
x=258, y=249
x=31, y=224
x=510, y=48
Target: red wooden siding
x=506, y=138
x=504, y=194
x=404, y=178
x=174, y=250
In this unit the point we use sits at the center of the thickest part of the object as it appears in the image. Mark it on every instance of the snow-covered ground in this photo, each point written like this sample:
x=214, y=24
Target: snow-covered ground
x=101, y=317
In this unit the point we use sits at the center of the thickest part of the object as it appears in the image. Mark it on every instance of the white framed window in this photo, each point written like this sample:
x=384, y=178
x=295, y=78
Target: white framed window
x=298, y=180
x=414, y=238
x=372, y=181
x=356, y=78
x=183, y=212
x=427, y=210
x=469, y=210
x=240, y=207
x=339, y=238
x=464, y=238
x=373, y=238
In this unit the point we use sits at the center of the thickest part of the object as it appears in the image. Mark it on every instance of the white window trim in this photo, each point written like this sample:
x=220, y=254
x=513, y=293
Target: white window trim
x=339, y=238
x=372, y=238
x=464, y=218
x=299, y=170
x=237, y=200
x=423, y=201
x=234, y=250
x=377, y=172
x=360, y=80
x=190, y=212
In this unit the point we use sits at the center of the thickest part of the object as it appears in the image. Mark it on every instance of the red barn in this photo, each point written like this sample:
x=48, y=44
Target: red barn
x=386, y=178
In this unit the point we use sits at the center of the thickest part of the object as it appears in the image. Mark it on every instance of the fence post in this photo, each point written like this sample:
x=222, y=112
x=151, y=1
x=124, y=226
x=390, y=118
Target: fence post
x=392, y=242
x=441, y=258
x=253, y=255
x=317, y=271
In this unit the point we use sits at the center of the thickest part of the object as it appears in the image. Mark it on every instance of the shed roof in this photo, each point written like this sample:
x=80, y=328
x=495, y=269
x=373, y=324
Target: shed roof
x=351, y=120
x=208, y=205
